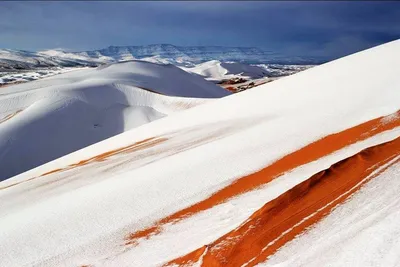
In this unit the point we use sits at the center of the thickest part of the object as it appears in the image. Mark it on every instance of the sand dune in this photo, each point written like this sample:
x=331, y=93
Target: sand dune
x=311, y=152
x=215, y=70
x=281, y=219
x=226, y=181
x=66, y=112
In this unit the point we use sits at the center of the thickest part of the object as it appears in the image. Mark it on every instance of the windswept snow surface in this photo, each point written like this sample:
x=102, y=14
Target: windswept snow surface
x=215, y=70
x=90, y=207
x=46, y=119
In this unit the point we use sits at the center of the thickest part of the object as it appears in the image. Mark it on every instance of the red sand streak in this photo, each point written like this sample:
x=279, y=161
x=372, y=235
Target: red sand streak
x=9, y=84
x=307, y=154
x=50, y=172
x=146, y=143
x=230, y=89
x=281, y=219
x=9, y=116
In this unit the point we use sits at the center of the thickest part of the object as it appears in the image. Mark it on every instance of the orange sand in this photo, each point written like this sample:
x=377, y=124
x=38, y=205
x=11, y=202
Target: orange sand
x=50, y=172
x=9, y=84
x=9, y=116
x=281, y=219
x=230, y=89
x=309, y=153
x=146, y=143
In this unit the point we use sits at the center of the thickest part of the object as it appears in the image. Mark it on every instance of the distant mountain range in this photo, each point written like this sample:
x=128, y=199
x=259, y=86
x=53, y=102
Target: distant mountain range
x=194, y=54
x=160, y=53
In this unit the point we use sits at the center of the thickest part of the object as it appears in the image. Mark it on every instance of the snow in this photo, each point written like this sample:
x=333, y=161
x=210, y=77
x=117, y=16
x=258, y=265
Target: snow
x=67, y=112
x=12, y=60
x=193, y=54
x=9, y=78
x=186, y=56
x=215, y=70
x=279, y=70
x=81, y=215
x=73, y=56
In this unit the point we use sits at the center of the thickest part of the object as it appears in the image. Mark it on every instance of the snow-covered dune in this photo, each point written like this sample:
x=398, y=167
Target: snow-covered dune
x=55, y=116
x=228, y=182
x=215, y=70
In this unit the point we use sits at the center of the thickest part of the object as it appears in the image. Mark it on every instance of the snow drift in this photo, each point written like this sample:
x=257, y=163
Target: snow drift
x=175, y=190
x=55, y=116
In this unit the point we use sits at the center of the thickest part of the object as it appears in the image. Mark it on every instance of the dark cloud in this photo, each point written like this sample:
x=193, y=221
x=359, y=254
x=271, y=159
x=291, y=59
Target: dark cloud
x=295, y=28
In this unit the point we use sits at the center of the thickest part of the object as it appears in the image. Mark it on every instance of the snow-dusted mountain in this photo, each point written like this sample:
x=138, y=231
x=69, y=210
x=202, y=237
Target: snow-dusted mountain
x=187, y=53
x=22, y=60
x=195, y=54
x=160, y=53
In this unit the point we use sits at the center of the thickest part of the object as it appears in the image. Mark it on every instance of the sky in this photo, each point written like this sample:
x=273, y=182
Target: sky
x=315, y=28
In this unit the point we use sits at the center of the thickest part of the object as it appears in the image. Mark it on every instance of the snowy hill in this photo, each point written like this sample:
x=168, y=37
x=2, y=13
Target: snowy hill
x=215, y=70
x=302, y=171
x=19, y=60
x=55, y=116
x=74, y=57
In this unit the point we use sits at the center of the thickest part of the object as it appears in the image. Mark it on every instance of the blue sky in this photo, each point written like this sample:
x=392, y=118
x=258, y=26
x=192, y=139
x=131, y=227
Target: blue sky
x=315, y=28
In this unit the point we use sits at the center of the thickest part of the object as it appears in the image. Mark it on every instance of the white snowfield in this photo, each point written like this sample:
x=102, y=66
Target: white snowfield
x=215, y=70
x=43, y=120
x=82, y=215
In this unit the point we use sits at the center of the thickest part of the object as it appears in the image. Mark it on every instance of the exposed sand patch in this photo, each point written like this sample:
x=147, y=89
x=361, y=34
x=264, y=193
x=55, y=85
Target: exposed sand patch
x=9, y=116
x=146, y=143
x=281, y=219
x=12, y=83
x=309, y=153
